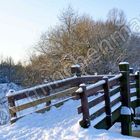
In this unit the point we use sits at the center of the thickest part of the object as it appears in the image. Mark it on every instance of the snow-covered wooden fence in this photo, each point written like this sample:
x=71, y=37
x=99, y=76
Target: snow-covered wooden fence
x=120, y=97
x=52, y=94
x=103, y=87
x=105, y=99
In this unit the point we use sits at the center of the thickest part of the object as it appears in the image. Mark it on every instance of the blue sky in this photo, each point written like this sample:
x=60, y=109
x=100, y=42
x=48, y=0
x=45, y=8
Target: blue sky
x=23, y=21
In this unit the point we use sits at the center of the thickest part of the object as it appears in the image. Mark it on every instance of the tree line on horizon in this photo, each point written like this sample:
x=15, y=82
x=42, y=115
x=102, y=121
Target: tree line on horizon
x=97, y=46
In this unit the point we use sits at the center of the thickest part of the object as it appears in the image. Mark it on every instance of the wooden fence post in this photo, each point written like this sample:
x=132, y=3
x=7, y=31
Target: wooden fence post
x=126, y=126
x=137, y=113
x=12, y=104
x=131, y=70
x=75, y=70
x=137, y=76
x=107, y=103
x=49, y=102
x=46, y=92
x=85, y=123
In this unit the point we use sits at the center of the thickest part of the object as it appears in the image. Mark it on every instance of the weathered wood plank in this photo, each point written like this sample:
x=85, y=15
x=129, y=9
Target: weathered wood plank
x=114, y=80
x=74, y=81
x=114, y=102
x=132, y=85
x=133, y=93
x=103, y=123
x=45, y=99
x=97, y=113
x=93, y=78
x=38, y=89
x=94, y=88
x=114, y=90
x=116, y=115
x=46, y=108
x=92, y=103
x=132, y=77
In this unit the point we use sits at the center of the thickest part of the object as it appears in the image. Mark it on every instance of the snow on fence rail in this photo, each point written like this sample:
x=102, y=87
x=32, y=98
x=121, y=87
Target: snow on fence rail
x=116, y=91
x=46, y=93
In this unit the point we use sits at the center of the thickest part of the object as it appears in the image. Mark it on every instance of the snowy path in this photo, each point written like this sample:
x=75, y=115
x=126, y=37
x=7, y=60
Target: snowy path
x=58, y=124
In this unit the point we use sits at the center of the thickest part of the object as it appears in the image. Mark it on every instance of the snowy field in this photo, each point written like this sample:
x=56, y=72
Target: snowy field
x=58, y=124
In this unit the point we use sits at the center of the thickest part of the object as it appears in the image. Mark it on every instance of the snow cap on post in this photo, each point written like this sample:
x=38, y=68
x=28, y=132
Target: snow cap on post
x=105, y=77
x=124, y=66
x=123, y=63
x=10, y=92
x=75, y=70
x=125, y=110
x=79, y=90
x=137, y=72
x=137, y=110
x=82, y=85
x=82, y=88
x=75, y=66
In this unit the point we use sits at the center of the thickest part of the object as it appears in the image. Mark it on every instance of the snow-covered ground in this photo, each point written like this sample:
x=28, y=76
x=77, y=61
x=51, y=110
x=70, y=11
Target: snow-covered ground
x=58, y=124
x=4, y=88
